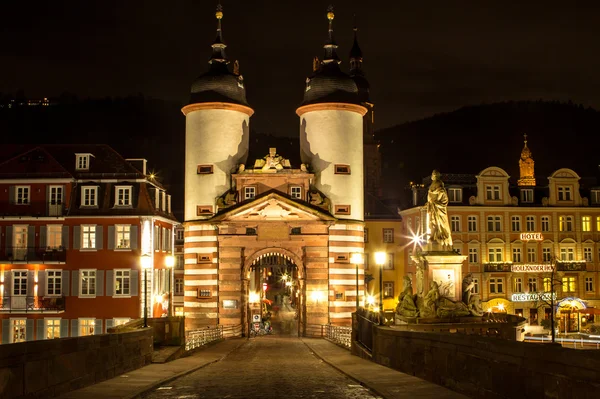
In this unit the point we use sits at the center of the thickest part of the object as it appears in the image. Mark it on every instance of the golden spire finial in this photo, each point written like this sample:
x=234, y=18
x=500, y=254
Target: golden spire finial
x=330, y=14
x=219, y=13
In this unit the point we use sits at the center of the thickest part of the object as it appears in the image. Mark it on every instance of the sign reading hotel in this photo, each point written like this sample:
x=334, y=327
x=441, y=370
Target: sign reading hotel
x=533, y=297
x=532, y=237
x=531, y=268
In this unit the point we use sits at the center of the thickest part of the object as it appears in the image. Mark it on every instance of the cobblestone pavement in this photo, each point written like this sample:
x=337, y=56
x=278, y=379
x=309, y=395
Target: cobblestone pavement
x=265, y=367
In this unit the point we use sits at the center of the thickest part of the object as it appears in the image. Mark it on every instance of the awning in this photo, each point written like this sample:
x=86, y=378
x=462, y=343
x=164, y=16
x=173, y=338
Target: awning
x=589, y=311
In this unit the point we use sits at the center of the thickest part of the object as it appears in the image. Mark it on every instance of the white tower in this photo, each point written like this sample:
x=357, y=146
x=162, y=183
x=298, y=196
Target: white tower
x=217, y=132
x=331, y=133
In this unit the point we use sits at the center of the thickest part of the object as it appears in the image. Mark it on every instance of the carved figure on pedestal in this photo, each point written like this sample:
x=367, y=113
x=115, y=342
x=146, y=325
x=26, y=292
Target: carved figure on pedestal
x=430, y=302
x=437, y=210
x=318, y=199
x=475, y=305
x=407, y=301
x=449, y=308
x=272, y=161
x=467, y=288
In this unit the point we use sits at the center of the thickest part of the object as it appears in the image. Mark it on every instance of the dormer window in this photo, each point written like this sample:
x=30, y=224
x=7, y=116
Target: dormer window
x=89, y=196
x=595, y=194
x=455, y=194
x=527, y=195
x=492, y=193
x=564, y=193
x=249, y=192
x=82, y=161
x=123, y=196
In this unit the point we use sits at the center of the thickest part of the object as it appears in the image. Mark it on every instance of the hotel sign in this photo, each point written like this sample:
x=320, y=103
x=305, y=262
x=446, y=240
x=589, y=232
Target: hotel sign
x=531, y=268
x=532, y=297
x=532, y=237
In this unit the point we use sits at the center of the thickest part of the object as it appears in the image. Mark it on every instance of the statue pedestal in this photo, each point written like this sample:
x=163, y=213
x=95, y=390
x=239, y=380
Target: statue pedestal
x=442, y=266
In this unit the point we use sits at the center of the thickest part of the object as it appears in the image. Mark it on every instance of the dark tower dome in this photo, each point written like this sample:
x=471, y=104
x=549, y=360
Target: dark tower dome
x=328, y=84
x=219, y=84
x=356, y=72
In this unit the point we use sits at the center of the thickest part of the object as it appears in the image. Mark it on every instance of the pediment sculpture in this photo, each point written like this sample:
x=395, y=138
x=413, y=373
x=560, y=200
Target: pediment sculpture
x=228, y=199
x=272, y=161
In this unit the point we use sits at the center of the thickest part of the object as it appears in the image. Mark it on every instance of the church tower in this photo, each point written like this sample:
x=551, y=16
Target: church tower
x=217, y=131
x=527, y=175
x=331, y=133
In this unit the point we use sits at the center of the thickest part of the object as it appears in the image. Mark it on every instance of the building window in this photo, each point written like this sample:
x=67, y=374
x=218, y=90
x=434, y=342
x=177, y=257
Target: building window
x=19, y=283
x=251, y=231
x=389, y=262
x=342, y=169
x=547, y=281
x=342, y=210
x=516, y=255
x=472, y=223
x=473, y=255
x=18, y=330
x=518, y=284
x=22, y=195
x=569, y=284
x=204, y=210
x=527, y=195
x=565, y=223
x=587, y=254
x=52, y=327
x=296, y=230
x=494, y=254
x=82, y=161
x=86, y=327
x=388, y=235
x=454, y=194
x=598, y=223
x=249, y=192
x=496, y=285
x=89, y=196
x=586, y=223
x=203, y=293
x=123, y=282
x=123, y=196
x=516, y=223
x=339, y=295
x=567, y=254
x=53, y=282
x=296, y=192
x=87, y=282
x=455, y=223
x=532, y=284
x=564, y=193
x=366, y=235
x=388, y=289
x=531, y=255
x=53, y=236
x=595, y=194
x=179, y=234
x=546, y=254
x=493, y=223
x=545, y=223
x=492, y=193
x=123, y=239
x=530, y=223
x=88, y=236
x=178, y=286
x=204, y=169
x=475, y=286
x=589, y=284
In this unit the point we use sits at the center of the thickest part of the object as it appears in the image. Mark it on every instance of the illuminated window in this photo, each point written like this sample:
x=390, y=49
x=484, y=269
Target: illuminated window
x=388, y=235
x=516, y=223
x=123, y=236
x=531, y=255
x=546, y=254
x=87, y=282
x=545, y=223
x=569, y=284
x=586, y=223
x=567, y=254
x=527, y=195
x=157, y=240
x=86, y=327
x=547, y=281
x=473, y=255
x=53, y=282
x=52, y=327
x=518, y=284
x=564, y=193
x=565, y=223
x=122, y=282
x=587, y=254
x=516, y=255
x=598, y=223
x=454, y=194
x=493, y=223
x=589, y=284
x=249, y=192
x=179, y=234
x=532, y=284
x=89, y=196
x=388, y=289
x=530, y=223
x=455, y=223
x=492, y=193
x=18, y=330
x=88, y=236
x=53, y=236
x=19, y=283
x=179, y=286
x=496, y=285
x=123, y=196
x=296, y=192
x=494, y=254
x=475, y=286
x=22, y=195
x=472, y=223
x=82, y=161
x=595, y=194
x=389, y=262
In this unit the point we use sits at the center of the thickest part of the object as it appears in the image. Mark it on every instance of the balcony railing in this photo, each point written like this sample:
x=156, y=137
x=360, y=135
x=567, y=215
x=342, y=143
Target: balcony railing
x=25, y=304
x=561, y=266
x=33, y=255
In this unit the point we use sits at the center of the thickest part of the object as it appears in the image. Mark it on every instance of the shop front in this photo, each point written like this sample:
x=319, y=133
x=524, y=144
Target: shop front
x=570, y=312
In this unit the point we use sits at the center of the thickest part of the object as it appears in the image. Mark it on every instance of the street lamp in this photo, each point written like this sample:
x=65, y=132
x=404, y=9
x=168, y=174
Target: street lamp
x=357, y=259
x=146, y=263
x=380, y=258
x=170, y=262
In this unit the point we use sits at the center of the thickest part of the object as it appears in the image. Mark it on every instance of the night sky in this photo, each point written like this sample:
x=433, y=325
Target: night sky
x=421, y=57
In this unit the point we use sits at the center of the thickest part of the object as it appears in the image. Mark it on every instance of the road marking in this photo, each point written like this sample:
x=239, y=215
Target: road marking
x=163, y=388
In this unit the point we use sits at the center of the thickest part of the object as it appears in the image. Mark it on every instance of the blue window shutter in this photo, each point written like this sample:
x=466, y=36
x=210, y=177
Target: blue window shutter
x=29, y=329
x=39, y=335
x=41, y=283
x=43, y=230
x=99, y=231
x=110, y=286
x=5, y=331
x=76, y=237
x=134, y=283
x=66, y=288
x=99, y=282
x=133, y=236
x=97, y=326
x=30, y=282
x=74, y=327
x=7, y=283
x=111, y=237
x=109, y=324
x=65, y=237
x=75, y=283
x=64, y=328
x=8, y=241
x=11, y=195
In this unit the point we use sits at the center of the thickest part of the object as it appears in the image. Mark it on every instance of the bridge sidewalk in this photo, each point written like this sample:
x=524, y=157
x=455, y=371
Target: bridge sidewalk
x=384, y=381
x=135, y=383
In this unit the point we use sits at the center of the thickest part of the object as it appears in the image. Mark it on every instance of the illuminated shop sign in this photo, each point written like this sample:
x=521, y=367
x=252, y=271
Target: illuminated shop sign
x=531, y=268
x=532, y=297
x=532, y=237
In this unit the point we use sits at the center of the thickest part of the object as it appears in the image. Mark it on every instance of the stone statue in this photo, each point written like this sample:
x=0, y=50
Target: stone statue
x=241, y=168
x=475, y=305
x=430, y=302
x=304, y=167
x=407, y=301
x=272, y=161
x=228, y=199
x=467, y=288
x=236, y=67
x=437, y=210
x=448, y=308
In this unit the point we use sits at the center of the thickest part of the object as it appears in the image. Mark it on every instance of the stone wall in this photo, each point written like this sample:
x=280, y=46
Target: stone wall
x=52, y=367
x=483, y=367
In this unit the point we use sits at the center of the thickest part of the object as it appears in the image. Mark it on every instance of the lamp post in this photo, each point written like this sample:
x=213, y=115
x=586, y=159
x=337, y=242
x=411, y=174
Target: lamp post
x=170, y=262
x=357, y=259
x=380, y=258
x=146, y=263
